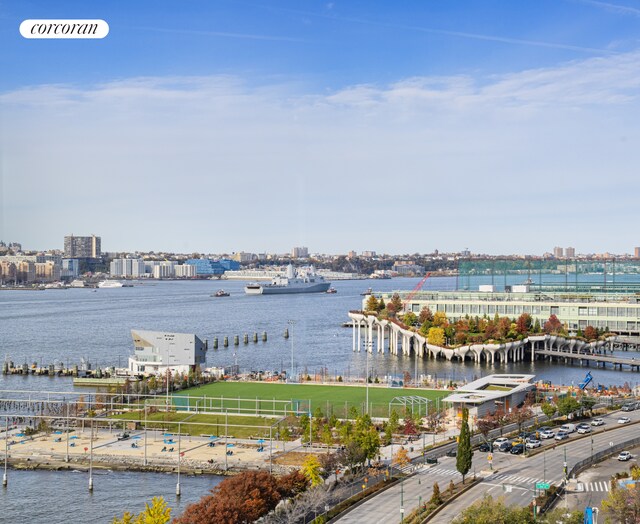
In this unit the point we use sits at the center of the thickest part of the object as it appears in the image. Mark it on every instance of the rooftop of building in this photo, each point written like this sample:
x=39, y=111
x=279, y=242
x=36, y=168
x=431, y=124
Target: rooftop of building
x=491, y=388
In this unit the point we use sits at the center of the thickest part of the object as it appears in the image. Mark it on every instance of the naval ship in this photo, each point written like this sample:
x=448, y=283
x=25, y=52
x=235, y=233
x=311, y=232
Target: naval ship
x=307, y=282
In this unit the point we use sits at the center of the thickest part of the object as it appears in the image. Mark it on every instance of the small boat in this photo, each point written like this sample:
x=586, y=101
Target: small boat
x=332, y=290
x=220, y=293
x=367, y=292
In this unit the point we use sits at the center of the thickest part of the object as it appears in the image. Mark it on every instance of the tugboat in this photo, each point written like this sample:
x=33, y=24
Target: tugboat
x=367, y=292
x=332, y=290
x=220, y=293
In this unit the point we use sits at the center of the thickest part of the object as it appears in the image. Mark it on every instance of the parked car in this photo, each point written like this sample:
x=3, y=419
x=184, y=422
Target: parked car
x=624, y=420
x=484, y=447
x=518, y=449
x=568, y=428
x=499, y=441
x=562, y=435
x=547, y=433
x=533, y=443
x=516, y=441
x=584, y=428
x=505, y=447
x=624, y=456
x=597, y=422
x=452, y=452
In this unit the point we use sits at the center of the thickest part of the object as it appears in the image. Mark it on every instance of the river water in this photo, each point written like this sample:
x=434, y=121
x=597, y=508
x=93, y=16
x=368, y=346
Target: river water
x=67, y=325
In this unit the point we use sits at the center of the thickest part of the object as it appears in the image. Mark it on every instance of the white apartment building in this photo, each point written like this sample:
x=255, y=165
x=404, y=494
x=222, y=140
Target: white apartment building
x=127, y=268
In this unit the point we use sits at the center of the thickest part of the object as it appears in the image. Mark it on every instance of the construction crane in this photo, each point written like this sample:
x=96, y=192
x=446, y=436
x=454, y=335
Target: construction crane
x=415, y=290
x=588, y=378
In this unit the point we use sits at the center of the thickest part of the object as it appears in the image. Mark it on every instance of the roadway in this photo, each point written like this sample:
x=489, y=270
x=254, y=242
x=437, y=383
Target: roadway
x=546, y=466
x=513, y=476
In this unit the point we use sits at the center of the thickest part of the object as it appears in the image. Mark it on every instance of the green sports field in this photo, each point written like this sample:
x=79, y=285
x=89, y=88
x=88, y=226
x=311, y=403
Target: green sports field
x=278, y=399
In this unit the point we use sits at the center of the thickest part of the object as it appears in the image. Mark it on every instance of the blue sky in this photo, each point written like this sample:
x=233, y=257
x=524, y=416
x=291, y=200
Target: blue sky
x=400, y=127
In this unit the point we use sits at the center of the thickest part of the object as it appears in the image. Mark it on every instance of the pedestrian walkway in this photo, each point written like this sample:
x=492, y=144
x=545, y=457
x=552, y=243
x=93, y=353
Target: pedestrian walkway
x=593, y=486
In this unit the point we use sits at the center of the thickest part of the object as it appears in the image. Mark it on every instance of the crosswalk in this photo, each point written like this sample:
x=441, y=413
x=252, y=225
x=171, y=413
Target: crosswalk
x=594, y=486
x=602, y=486
x=513, y=479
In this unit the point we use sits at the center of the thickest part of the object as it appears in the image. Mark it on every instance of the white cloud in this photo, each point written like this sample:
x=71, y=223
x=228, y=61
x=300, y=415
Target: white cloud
x=507, y=163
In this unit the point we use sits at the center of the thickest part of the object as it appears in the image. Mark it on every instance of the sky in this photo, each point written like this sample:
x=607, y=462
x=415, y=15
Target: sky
x=400, y=127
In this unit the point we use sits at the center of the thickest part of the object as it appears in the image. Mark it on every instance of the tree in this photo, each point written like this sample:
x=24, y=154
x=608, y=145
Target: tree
x=372, y=304
x=436, y=498
x=425, y=315
x=623, y=505
x=436, y=336
x=395, y=305
x=311, y=469
x=401, y=458
x=587, y=403
x=523, y=324
x=410, y=426
x=490, y=511
x=521, y=415
x=549, y=409
x=590, y=333
x=567, y=406
x=292, y=484
x=409, y=319
x=485, y=425
x=369, y=441
x=440, y=319
x=394, y=422
x=242, y=498
x=464, y=455
x=553, y=325
x=156, y=513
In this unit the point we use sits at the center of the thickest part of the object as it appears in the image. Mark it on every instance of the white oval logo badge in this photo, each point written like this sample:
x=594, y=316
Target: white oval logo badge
x=64, y=29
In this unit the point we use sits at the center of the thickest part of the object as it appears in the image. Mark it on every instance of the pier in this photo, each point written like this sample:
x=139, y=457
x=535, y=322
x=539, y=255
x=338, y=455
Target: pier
x=391, y=336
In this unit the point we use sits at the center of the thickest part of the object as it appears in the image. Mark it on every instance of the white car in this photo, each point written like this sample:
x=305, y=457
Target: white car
x=624, y=456
x=597, y=422
x=624, y=420
x=499, y=441
x=547, y=433
x=533, y=443
x=584, y=428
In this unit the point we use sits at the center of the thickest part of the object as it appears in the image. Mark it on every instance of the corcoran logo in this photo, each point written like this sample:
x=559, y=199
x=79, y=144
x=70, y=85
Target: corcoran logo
x=64, y=29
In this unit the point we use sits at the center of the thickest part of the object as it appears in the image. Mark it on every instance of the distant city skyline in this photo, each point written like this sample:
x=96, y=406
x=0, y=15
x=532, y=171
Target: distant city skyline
x=220, y=127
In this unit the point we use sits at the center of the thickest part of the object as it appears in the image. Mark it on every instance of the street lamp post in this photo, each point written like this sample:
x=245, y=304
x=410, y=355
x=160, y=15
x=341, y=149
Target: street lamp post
x=179, y=457
x=368, y=346
x=6, y=450
x=226, y=432
x=91, y=457
x=401, y=501
x=291, y=323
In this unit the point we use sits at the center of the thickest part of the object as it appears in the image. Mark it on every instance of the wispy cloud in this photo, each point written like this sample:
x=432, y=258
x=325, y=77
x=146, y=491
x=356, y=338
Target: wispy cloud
x=614, y=8
x=446, y=32
x=221, y=34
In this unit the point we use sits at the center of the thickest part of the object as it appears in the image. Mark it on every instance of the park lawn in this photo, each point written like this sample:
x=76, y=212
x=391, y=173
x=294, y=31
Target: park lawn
x=304, y=397
x=202, y=424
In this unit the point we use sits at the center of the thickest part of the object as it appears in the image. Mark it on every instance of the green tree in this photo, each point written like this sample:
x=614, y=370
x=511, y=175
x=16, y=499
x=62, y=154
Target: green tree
x=409, y=319
x=311, y=469
x=549, y=409
x=394, y=422
x=567, y=406
x=464, y=456
x=156, y=513
x=587, y=403
x=490, y=511
x=369, y=441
